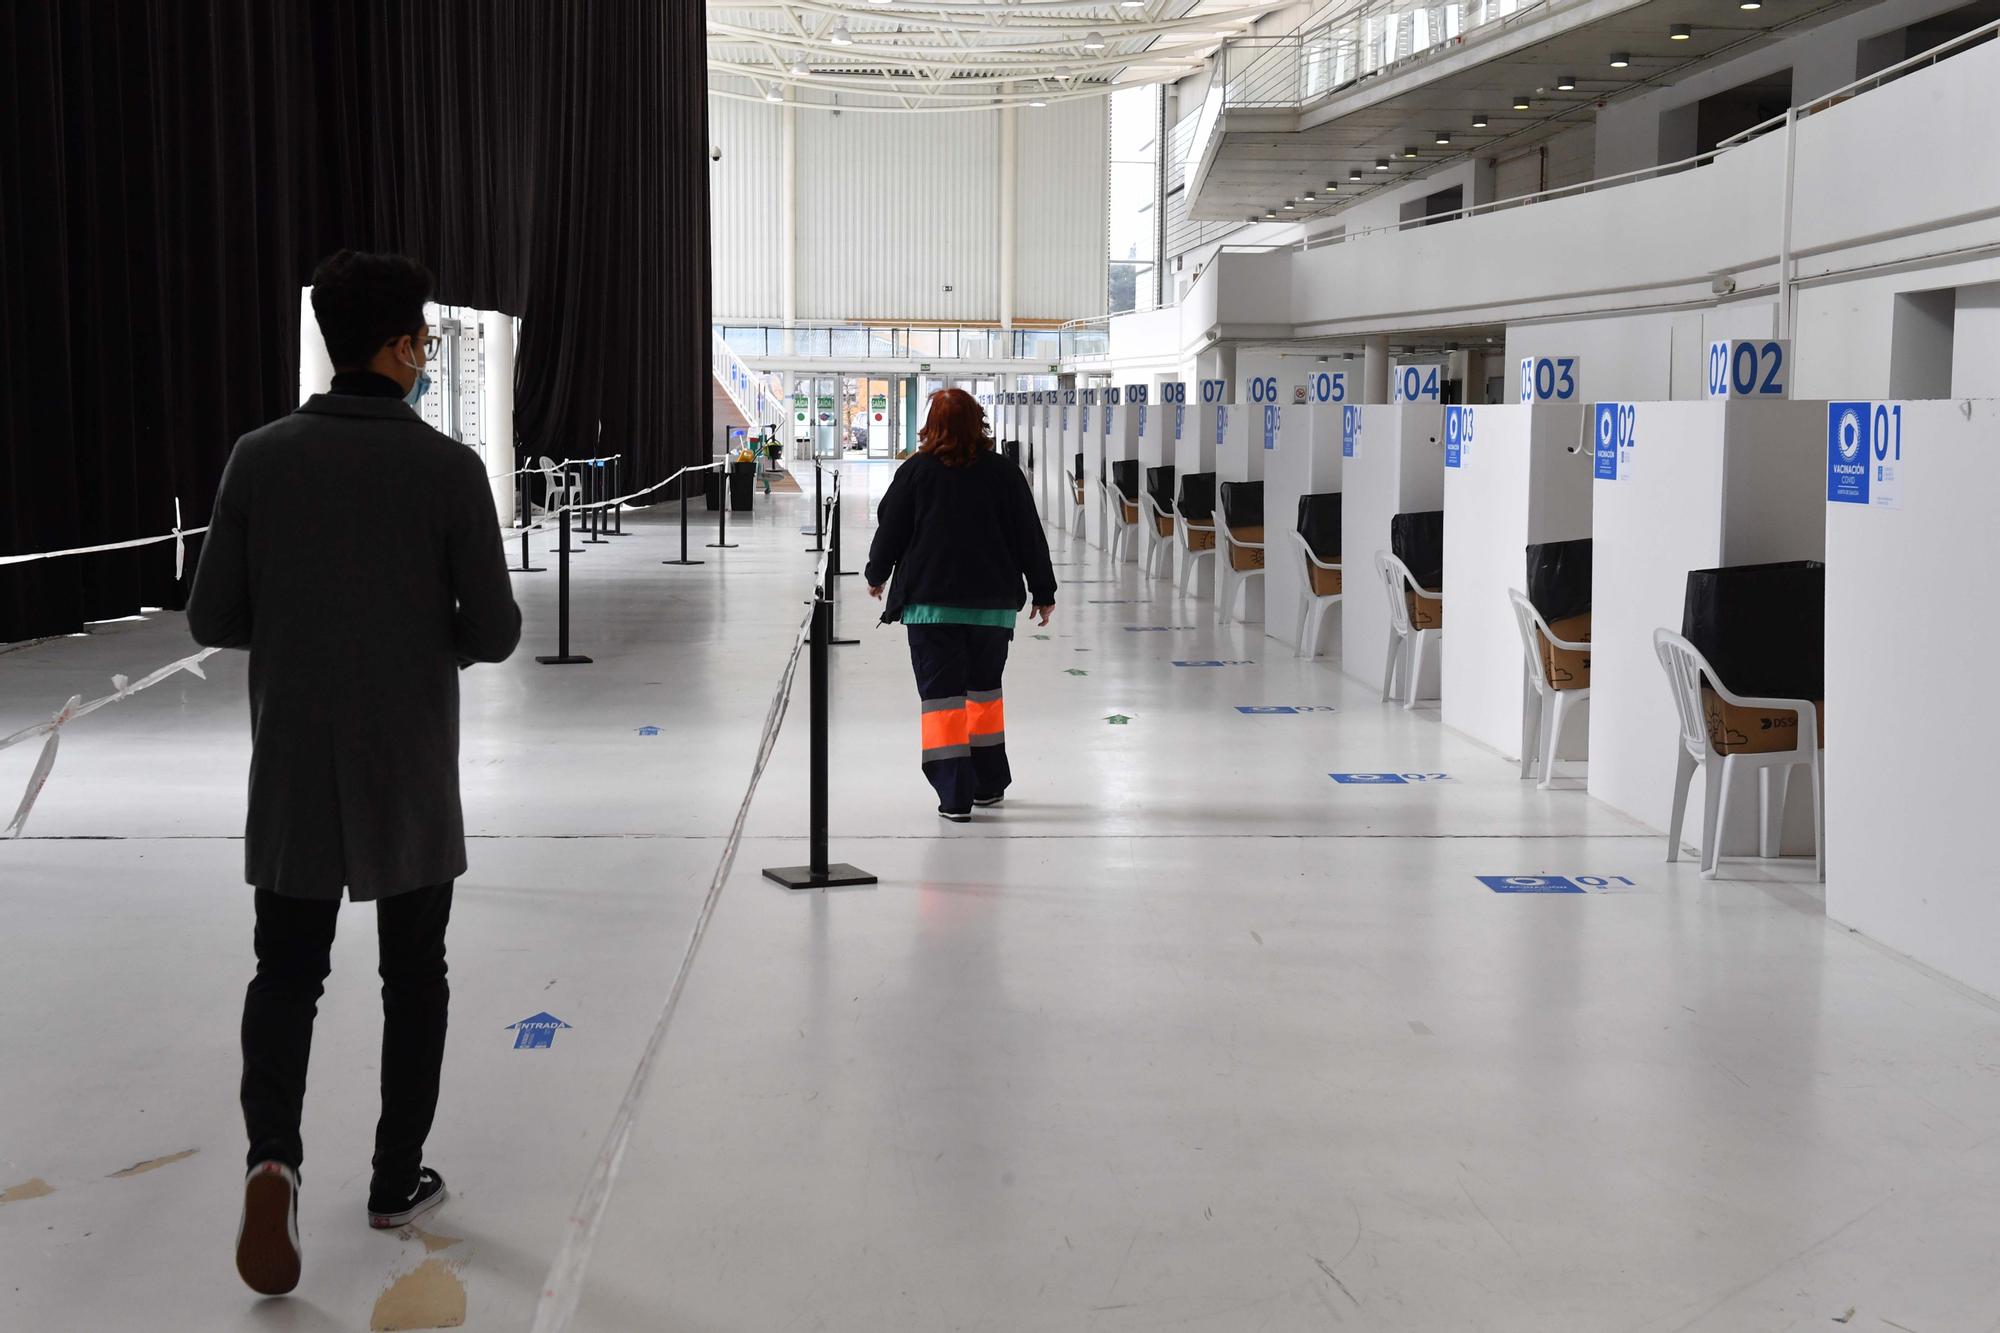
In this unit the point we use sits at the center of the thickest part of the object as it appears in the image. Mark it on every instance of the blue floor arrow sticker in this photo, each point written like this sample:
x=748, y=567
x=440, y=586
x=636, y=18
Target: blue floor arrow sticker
x=1387, y=779
x=537, y=1033
x=1557, y=883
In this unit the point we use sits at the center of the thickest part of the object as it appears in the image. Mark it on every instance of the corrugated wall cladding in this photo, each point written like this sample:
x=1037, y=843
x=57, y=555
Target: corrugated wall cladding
x=893, y=209
x=1063, y=159
x=745, y=225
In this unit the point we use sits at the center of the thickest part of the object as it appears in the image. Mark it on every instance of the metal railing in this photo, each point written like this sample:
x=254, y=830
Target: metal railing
x=861, y=343
x=756, y=396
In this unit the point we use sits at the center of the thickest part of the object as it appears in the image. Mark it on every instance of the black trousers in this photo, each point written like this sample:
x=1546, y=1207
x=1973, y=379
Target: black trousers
x=294, y=954
x=958, y=670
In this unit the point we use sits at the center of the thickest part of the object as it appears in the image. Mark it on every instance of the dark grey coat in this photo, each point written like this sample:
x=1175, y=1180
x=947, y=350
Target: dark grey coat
x=355, y=552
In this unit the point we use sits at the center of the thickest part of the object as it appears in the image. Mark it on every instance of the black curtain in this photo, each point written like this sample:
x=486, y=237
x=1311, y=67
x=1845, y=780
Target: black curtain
x=171, y=171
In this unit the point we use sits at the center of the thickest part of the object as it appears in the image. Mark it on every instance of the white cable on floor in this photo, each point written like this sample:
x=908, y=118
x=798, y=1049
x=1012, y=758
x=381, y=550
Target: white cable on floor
x=563, y=1287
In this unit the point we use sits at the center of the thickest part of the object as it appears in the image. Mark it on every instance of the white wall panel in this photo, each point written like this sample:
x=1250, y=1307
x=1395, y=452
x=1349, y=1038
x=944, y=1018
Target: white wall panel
x=1061, y=203
x=892, y=209
x=743, y=213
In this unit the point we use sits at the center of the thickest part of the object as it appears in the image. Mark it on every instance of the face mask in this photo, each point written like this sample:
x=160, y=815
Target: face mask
x=417, y=390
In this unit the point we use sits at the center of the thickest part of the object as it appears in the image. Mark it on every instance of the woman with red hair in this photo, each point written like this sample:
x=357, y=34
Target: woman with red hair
x=958, y=531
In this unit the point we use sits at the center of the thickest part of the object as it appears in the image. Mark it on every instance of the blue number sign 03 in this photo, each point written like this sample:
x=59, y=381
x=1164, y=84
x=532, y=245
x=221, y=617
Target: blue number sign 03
x=1548, y=379
x=1457, y=435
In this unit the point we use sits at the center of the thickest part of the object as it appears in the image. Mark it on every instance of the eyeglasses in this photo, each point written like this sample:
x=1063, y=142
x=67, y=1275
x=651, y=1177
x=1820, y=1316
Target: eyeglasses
x=431, y=345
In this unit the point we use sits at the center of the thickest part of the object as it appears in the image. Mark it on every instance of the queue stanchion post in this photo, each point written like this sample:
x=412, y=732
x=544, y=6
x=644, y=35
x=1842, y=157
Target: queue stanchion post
x=832, y=584
x=682, y=485
x=570, y=493
x=833, y=566
x=617, y=489
x=563, y=656
x=598, y=495
x=527, y=514
x=818, y=873
x=722, y=542
x=819, y=513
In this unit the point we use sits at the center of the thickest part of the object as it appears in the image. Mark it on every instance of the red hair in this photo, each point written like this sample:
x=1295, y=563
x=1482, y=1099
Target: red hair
x=955, y=431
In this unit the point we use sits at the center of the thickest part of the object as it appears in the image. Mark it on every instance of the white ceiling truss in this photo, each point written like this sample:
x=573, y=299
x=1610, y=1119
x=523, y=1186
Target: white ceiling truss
x=960, y=55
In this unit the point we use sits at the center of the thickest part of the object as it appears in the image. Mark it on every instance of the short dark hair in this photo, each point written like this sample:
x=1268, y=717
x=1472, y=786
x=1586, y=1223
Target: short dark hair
x=364, y=300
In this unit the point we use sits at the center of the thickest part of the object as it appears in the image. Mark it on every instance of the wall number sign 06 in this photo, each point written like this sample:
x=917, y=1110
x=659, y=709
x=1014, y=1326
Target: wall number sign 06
x=1548, y=379
x=1413, y=383
x=1749, y=369
x=1264, y=389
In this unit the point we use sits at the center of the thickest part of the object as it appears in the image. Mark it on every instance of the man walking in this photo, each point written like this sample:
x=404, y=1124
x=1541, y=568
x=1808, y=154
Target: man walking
x=356, y=553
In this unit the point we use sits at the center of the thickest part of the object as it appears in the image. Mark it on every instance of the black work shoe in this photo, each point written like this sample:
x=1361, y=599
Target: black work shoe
x=399, y=1211
x=955, y=816
x=994, y=799
x=267, y=1238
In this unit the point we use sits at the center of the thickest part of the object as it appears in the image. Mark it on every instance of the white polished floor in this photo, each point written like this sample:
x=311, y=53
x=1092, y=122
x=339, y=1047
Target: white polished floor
x=1187, y=1036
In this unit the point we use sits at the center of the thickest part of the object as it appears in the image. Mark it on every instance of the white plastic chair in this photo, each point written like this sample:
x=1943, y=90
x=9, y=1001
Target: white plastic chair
x=1123, y=528
x=1549, y=709
x=1407, y=643
x=1156, y=544
x=1233, y=578
x=558, y=489
x=1313, y=607
x=1686, y=672
x=1191, y=556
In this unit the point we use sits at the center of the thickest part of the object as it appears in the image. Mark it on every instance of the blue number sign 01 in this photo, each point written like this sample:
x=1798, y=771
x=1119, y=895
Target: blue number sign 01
x=1864, y=454
x=1350, y=431
x=1748, y=369
x=1457, y=435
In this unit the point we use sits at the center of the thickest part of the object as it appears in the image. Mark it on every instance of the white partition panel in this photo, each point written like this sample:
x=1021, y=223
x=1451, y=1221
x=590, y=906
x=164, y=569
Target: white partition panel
x=1306, y=462
x=1069, y=417
x=1694, y=485
x=1202, y=426
x=1239, y=456
x=1910, y=764
x=1392, y=462
x=1121, y=442
x=1092, y=414
x=1522, y=477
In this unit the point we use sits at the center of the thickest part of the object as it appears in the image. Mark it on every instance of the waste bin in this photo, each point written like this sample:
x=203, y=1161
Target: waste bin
x=711, y=489
x=742, y=484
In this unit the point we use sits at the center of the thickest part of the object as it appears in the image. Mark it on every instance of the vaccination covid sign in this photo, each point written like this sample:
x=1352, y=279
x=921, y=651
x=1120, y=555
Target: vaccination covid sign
x=1864, y=454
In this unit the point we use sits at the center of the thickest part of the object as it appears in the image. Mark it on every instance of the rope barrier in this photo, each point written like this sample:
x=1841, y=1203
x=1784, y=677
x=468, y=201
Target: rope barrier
x=562, y=1289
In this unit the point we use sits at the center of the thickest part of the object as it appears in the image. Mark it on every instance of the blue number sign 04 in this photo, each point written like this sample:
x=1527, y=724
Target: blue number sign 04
x=1415, y=382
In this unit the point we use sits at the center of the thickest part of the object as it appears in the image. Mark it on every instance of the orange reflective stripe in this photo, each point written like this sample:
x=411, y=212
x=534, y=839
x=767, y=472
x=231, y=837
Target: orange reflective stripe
x=988, y=717
x=945, y=726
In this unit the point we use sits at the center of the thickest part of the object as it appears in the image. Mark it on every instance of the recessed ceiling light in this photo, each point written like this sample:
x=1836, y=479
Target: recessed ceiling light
x=1479, y=120
x=1310, y=197
x=1381, y=164
x=1620, y=59
x=1410, y=150
x=1443, y=137
x=774, y=96
x=1566, y=83
x=1289, y=205
x=1680, y=32
x=839, y=35
x=1520, y=101
x=1335, y=185
x=1355, y=174
x=1271, y=217
x=1094, y=42
x=1131, y=4
x=1749, y=4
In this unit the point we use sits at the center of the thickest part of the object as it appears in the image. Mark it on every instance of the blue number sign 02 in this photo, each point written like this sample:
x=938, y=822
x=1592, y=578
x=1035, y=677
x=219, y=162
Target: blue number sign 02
x=1614, y=427
x=1749, y=369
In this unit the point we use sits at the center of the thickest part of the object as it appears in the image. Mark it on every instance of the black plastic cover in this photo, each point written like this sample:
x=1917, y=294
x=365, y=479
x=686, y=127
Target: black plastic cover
x=1559, y=578
x=1243, y=504
x=1079, y=467
x=1319, y=524
x=1160, y=484
x=1762, y=627
x=1417, y=539
x=1125, y=476
x=1197, y=499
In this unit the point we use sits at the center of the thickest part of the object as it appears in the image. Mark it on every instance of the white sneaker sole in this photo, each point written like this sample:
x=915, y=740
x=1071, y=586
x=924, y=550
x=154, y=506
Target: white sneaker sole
x=390, y=1221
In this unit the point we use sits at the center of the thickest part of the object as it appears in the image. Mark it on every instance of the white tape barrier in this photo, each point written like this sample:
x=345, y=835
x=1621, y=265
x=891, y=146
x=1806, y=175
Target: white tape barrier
x=122, y=688
x=563, y=1287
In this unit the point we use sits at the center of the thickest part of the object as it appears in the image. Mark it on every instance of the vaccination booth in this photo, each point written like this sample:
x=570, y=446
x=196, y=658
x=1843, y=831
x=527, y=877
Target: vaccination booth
x=1305, y=462
x=1391, y=464
x=1203, y=424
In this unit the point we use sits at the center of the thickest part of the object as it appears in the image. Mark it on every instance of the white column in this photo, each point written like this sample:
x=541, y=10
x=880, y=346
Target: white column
x=1375, y=368
x=497, y=330
x=315, y=365
x=788, y=207
x=1007, y=171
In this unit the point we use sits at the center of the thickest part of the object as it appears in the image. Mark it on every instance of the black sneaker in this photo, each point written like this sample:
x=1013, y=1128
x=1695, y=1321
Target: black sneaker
x=955, y=816
x=267, y=1238
x=994, y=799
x=385, y=1213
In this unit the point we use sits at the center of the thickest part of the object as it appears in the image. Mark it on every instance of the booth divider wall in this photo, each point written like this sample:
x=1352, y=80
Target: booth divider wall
x=1514, y=475
x=1907, y=649
x=1239, y=456
x=1121, y=443
x=1093, y=414
x=1195, y=452
x=1306, y=462
x=1070, y=419
x=1694, y=485
x=1392, y=462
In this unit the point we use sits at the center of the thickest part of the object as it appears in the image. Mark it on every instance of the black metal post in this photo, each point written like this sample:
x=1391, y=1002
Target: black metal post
x=682, y=484
x=833, y=565
x=618, y=489
x=527, y=514
x=819, y=512
x=723, y=483
x=818, y=874
x=563, y=656
x=597, y=496
x=577, y=489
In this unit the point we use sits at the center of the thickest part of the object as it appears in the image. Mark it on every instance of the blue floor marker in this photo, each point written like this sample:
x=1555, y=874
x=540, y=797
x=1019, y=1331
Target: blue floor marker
x=537, y=1032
